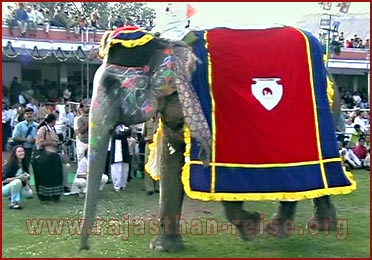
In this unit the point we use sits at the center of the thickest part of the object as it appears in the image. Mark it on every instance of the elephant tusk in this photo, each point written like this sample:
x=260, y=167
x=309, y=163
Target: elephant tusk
x=171, y=149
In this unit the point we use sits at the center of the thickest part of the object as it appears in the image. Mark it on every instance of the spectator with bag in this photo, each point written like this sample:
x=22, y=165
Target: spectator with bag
x=16, y=178
x=47, y=163
x=25, y=133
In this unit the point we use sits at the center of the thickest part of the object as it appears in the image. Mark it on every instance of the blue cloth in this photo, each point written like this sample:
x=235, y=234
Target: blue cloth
x=13, y=189
x=21, y=15
x=21, y=131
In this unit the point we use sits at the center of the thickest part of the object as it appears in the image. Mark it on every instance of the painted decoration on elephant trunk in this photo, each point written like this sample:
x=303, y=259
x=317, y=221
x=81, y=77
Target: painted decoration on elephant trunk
x=137, y=102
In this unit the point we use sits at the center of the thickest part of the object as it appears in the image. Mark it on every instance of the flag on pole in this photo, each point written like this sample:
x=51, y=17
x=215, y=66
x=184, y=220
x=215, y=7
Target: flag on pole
x=190, y=11
x=327, y=5
x=344, y=7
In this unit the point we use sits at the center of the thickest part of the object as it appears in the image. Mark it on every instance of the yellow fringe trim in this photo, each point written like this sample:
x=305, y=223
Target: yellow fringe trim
x=152, y=167
x=290, y=196
x=103, y=45
x=330, y=91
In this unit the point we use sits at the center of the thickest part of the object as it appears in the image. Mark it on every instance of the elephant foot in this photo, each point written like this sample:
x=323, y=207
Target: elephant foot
x=280, y=225
x=248, y=226
x=321, y=224
x=280, y=228
x=325, y=216
x=167, y=243
x=247, y=223
x=84, y=245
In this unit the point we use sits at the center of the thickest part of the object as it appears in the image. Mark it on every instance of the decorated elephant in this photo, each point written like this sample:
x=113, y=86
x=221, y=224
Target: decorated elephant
x=244, y=116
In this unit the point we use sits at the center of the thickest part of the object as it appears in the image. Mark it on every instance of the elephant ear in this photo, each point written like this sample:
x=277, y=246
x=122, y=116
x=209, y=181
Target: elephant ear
x=184, y=65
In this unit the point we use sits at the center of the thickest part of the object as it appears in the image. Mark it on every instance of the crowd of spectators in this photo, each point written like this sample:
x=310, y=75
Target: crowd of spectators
x=354, y=131
x=355, y=42
x=338, y=41
x=29, y=18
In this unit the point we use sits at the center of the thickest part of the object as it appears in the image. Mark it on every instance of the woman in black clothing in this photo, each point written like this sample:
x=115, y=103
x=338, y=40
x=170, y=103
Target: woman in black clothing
x=48, y=167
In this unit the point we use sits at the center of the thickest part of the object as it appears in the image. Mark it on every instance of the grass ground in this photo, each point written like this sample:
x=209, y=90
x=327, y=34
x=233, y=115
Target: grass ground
x=21, y=239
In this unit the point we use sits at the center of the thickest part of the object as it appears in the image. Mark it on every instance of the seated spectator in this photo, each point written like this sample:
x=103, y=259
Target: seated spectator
x=47, y=20
x=349, y=127
x=11, y=20
x=367, y=161
x=366, y=44
x=351, y=160
x=79, y=186
x=348, y=44
x=362, y=120
x=356, y=98
x=39, y=15
x=78, y=24
x=94, y=17
x=22, y=18
x=31, y=22
x=15, y=178
x=61, y=19
x=341, y=39
x=355, y=135
x=360, y=150
x=118, y=22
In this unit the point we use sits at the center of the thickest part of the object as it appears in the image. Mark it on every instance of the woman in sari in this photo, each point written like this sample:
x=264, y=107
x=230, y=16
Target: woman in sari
x=48, y=169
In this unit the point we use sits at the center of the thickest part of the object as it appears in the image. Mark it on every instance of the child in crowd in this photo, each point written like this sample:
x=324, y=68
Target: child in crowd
x=79, y=186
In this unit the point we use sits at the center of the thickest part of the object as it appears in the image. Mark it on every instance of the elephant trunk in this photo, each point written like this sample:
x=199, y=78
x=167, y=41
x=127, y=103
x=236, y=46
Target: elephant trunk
x=96, y=161
x=90, y=210
x=100, y=123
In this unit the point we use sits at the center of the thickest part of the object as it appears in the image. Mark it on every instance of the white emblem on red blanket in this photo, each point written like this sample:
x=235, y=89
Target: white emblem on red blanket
x=267, y=91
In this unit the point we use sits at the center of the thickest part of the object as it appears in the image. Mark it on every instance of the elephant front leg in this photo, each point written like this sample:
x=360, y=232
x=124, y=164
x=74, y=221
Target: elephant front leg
x=247, y=223
x=171, y=192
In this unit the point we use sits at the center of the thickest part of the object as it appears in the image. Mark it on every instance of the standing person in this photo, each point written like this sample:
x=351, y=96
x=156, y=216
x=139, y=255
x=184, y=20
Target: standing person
x=132, y=144
x=48, y=168
x=15, y=178
x=120, y=157
x=148, y=131
x=25, y=131
x=15, y=90
x=6, y=130
x=81, y=130
x=69, y=117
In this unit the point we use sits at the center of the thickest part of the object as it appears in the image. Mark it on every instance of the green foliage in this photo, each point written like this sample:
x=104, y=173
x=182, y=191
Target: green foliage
x=353, y=240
